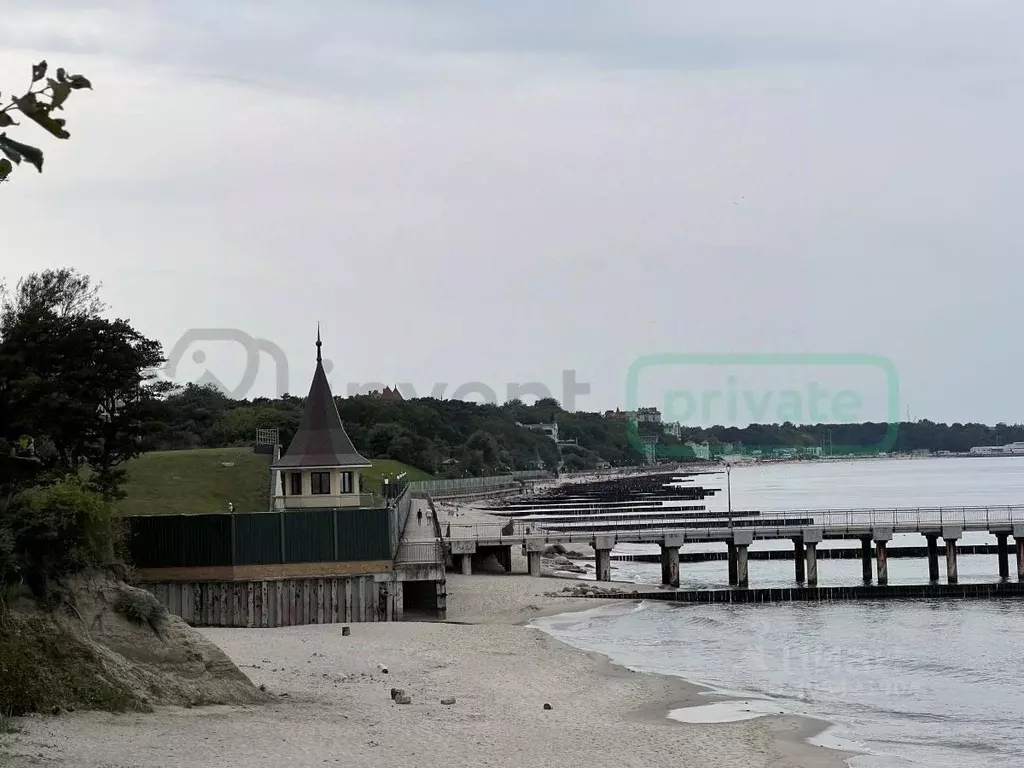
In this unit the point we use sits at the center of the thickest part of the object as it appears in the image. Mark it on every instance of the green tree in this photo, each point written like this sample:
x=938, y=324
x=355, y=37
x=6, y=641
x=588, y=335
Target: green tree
x=44, y=96
x=80, y=383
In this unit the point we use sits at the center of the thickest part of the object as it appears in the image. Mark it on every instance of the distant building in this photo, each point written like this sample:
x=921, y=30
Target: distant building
x=388, y=393
x=648, y=416
x=545, y=428
x=618, y=415
x=673, y=428
x=1010, y=449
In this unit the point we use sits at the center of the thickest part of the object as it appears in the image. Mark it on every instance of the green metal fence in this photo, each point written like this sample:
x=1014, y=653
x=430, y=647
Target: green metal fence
x=262, y=538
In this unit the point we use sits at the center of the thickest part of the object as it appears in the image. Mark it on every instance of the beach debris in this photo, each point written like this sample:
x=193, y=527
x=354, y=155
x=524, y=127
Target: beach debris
x=396, y=692
x=403, y=698
x=547, y=706
x=263, y=686
x=448, y=701
x=382, y=669
x=346, y=631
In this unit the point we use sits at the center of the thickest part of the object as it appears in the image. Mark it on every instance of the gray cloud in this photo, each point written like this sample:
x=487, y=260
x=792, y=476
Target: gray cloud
x=498, y=192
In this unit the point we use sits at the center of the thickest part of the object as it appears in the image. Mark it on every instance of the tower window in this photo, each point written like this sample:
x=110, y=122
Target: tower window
x=321, y=483
x=346, y=482
x=296, y=483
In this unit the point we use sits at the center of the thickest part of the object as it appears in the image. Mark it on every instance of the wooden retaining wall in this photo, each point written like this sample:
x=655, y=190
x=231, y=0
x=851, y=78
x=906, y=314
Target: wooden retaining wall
x=282, y=602
x=826, y=594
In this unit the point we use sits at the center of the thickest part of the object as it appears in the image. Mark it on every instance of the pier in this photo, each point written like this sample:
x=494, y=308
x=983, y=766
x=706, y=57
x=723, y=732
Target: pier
x=669, y=509
x=806, y=529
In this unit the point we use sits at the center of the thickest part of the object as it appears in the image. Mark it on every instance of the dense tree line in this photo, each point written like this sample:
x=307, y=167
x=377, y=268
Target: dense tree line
x=456, y=438
x=444, y=437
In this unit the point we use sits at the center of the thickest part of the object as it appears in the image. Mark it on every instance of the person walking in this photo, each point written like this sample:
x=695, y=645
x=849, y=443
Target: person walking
x=419, y=517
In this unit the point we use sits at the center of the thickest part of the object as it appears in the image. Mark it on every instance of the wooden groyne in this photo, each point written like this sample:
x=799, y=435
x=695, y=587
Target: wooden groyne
x=828, y=594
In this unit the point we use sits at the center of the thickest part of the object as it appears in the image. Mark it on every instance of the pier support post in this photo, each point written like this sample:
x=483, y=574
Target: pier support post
x=1018, y=538
x=467, y=565
x=883, y=563
x=603, y=564
x=1004, y=556
x=742, y=579
x=865, y=558
x=670, y=565
x=799, y=561
x=733, y=572
x=882, y=536
x=812, y=563
x=933, y=557
x=950, y=534
x=741, y=541
x=533, y=562
x=812, y=537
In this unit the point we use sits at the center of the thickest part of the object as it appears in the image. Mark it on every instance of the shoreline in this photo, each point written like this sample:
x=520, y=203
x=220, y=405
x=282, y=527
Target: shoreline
x=795, y=732
x=333, y=708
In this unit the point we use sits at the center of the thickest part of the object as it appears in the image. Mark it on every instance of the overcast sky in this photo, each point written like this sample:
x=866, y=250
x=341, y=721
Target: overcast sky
x=497, y=192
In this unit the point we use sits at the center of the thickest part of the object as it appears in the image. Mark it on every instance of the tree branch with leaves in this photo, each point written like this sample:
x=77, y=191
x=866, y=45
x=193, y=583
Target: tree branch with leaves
x=44, y=96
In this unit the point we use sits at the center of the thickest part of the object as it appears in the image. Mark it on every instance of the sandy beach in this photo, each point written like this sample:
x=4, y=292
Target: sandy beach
x=334, y=705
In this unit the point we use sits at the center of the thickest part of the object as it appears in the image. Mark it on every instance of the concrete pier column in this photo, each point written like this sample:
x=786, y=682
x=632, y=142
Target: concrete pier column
x=883, y=563
x=865, y=558
x=467, y=565
x=742, y=579
x=812, y=537
x=733, y=573
x=812, y=563
x=799, y=561
x=950, y=534
x=670, y=565
x=533, y=562
x=1004, y=556
x=603, y=564
x=933, y=557
x=741, y=541
x=881, y=536
x=1018, y=538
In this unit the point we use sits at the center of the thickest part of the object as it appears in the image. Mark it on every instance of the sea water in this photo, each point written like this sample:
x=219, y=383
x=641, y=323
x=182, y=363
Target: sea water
x=910, y=683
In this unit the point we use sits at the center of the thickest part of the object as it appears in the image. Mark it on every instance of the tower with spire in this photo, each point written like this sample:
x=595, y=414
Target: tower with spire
x=321, y=468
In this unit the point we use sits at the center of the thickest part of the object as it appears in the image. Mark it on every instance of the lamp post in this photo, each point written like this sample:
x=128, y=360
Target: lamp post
x=728, y=487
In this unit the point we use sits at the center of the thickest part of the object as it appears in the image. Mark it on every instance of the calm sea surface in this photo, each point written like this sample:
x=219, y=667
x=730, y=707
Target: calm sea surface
x=923, y=683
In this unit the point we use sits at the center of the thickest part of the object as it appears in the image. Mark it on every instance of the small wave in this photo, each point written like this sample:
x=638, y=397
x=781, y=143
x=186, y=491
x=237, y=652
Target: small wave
x=954, y=744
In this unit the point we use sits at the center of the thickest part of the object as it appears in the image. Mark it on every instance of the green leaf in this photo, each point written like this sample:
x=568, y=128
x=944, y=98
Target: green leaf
x=79, y=81
x=13, y=154
x=38, y=71
x=38, y=113
x=5, y=120
x=33, y=154
x=5, y=168
x=62, y=74
x=61, y=91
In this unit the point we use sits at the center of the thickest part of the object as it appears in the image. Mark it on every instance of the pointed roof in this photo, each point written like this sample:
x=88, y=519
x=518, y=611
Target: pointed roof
x=321, y=440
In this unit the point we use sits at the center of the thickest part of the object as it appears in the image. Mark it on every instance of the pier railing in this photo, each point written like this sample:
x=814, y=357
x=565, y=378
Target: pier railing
x=831, y=521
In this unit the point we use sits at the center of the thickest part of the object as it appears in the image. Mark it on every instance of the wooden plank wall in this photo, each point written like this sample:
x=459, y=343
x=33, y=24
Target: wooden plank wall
x=281, y=602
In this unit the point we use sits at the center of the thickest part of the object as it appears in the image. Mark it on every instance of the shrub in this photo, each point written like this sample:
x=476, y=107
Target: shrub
x=51, y=532
x=141, y=607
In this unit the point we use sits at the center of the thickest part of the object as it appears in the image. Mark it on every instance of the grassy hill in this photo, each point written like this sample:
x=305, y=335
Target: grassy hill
x=205, y=480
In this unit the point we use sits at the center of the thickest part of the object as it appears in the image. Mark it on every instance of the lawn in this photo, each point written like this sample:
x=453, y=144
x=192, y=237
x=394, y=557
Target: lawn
x=197, y=481
x=205, y=480
x=389, y=468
